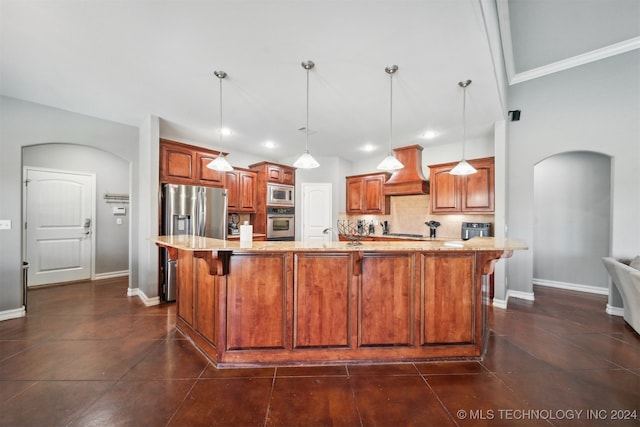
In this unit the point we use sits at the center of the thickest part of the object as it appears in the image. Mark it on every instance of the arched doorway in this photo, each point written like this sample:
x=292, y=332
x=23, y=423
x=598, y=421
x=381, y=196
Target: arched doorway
x=572, y=221
x=111, y=225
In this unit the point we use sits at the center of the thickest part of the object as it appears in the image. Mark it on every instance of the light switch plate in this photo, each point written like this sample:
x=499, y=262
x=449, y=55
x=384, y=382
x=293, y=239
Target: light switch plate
x=5, y=224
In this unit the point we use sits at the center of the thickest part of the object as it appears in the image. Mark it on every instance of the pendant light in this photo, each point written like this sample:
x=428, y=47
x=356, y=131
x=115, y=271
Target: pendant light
x=390, y=163
x=463, y=168
x=306, y=161
x=220, y=163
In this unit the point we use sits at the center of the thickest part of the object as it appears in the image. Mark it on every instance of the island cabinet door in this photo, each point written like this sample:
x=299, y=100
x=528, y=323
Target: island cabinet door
x=386, y=299
x=322, y=289
x=257, y=301
x=184, y=287
x=206, y=301
x=448, y=298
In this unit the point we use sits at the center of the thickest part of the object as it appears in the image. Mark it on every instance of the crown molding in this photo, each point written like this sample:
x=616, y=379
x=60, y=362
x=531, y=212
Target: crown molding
x=554, y=67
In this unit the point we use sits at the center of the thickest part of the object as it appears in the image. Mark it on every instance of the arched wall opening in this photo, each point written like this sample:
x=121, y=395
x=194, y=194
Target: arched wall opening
x=572, y=221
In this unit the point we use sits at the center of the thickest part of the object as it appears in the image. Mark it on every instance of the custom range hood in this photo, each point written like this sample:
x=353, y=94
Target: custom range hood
x=409, y=180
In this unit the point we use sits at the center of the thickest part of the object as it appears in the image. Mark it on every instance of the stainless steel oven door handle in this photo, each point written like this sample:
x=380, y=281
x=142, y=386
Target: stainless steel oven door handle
x=281, y=217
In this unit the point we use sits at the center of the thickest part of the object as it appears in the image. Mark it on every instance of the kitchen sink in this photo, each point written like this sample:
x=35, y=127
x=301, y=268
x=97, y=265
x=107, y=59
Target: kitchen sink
x=415, y=236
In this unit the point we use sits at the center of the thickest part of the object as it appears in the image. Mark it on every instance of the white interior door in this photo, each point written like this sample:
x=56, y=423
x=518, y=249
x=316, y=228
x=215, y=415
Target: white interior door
x=59, y=225
x=316, y=212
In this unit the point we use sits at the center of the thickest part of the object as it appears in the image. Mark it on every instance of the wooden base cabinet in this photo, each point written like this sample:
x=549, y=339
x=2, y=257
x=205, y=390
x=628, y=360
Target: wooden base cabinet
x=244, y=308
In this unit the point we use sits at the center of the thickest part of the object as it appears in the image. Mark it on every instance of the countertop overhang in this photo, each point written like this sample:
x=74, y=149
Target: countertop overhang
x=197, y=243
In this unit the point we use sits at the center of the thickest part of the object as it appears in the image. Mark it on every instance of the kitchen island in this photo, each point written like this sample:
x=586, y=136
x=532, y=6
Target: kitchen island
x=305, y=303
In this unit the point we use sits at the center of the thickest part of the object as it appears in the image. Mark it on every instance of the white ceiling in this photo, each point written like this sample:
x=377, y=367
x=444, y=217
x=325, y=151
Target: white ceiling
x=124, y=60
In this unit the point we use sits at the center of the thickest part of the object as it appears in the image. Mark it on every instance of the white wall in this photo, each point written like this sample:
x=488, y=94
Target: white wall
x=593, y=107
x=22, y=124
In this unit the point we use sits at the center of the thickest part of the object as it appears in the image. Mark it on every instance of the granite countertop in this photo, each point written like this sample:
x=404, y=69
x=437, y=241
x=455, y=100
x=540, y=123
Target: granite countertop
x=196, y=243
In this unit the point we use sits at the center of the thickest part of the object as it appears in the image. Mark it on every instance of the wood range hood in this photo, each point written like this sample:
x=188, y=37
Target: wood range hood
x=409, y=180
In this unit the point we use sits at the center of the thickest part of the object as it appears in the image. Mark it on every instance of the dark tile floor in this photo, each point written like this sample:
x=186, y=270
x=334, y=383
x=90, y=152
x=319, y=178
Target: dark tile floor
x=88, y=355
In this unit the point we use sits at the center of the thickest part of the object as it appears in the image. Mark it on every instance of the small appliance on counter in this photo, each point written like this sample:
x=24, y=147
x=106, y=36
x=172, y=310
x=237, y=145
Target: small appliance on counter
x=385, y=227
x=473, y=229
x=433, y=225
x=234, y=219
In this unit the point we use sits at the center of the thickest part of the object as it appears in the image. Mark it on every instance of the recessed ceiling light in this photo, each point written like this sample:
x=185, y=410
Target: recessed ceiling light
x=368, y=147
x=269, y=144
x=225, y=131
x=430, y=134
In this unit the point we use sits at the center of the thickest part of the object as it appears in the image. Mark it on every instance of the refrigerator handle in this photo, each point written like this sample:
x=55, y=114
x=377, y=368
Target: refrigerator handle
x=200, y=212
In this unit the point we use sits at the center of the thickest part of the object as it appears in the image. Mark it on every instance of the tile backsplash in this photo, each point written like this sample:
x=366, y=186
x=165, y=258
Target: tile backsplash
x=409, y=214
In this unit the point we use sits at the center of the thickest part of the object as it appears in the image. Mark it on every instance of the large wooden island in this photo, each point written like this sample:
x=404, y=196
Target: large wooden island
x=292, y=303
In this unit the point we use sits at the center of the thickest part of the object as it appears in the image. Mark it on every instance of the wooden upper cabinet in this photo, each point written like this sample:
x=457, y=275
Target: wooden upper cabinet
x=479, y=189
x=280, y=174
x=206, y=176
x=463, y=193
x=187, y=164
x=176, y=163
x=241, y=186
x=365, y=194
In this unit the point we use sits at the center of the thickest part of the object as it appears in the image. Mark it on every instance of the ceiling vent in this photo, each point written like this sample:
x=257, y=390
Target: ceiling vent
x=409, y=180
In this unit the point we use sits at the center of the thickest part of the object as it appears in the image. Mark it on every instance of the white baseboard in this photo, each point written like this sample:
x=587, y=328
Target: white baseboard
x=502, y=303
x=615, y=311
x=14, y=313
x=145, y=299
x=111, y=275
x=529, y=296
x=572, y=286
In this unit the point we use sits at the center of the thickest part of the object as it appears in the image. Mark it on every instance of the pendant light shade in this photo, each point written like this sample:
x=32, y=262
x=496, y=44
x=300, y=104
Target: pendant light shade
x=463, y=168
x=390, y=163
x=306, y=161
x=220, y=163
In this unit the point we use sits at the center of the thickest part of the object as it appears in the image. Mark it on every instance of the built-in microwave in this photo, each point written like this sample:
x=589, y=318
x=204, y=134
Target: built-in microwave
x=280, y=195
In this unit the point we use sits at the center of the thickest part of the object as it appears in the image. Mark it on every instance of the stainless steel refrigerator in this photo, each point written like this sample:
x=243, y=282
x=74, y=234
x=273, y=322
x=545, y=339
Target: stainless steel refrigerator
x=191, y=210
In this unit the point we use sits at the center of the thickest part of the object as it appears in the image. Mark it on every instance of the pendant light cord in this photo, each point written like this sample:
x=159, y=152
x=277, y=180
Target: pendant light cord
x=464, y=121
x=464, y=85
x=390, y=113
x=220, y=130
x=306, y=144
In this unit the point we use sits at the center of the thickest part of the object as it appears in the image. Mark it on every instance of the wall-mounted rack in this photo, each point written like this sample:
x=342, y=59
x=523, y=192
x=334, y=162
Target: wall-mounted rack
x=116, y=198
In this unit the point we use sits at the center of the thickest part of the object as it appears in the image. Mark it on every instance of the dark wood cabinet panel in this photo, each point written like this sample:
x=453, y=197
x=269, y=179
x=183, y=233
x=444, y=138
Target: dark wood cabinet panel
x=241, y=187
x=206, y=302
x=386, y=295
x=365, y=194
x=479, y=189
x=466, y=193
x=355, y=195
x=206, y=176
x=322, y=296
x=448, y=299
x=176, y=164
x=444, y=191
x=184, y=288
x=187, y=164
x=256, y=302
x=280, y=174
